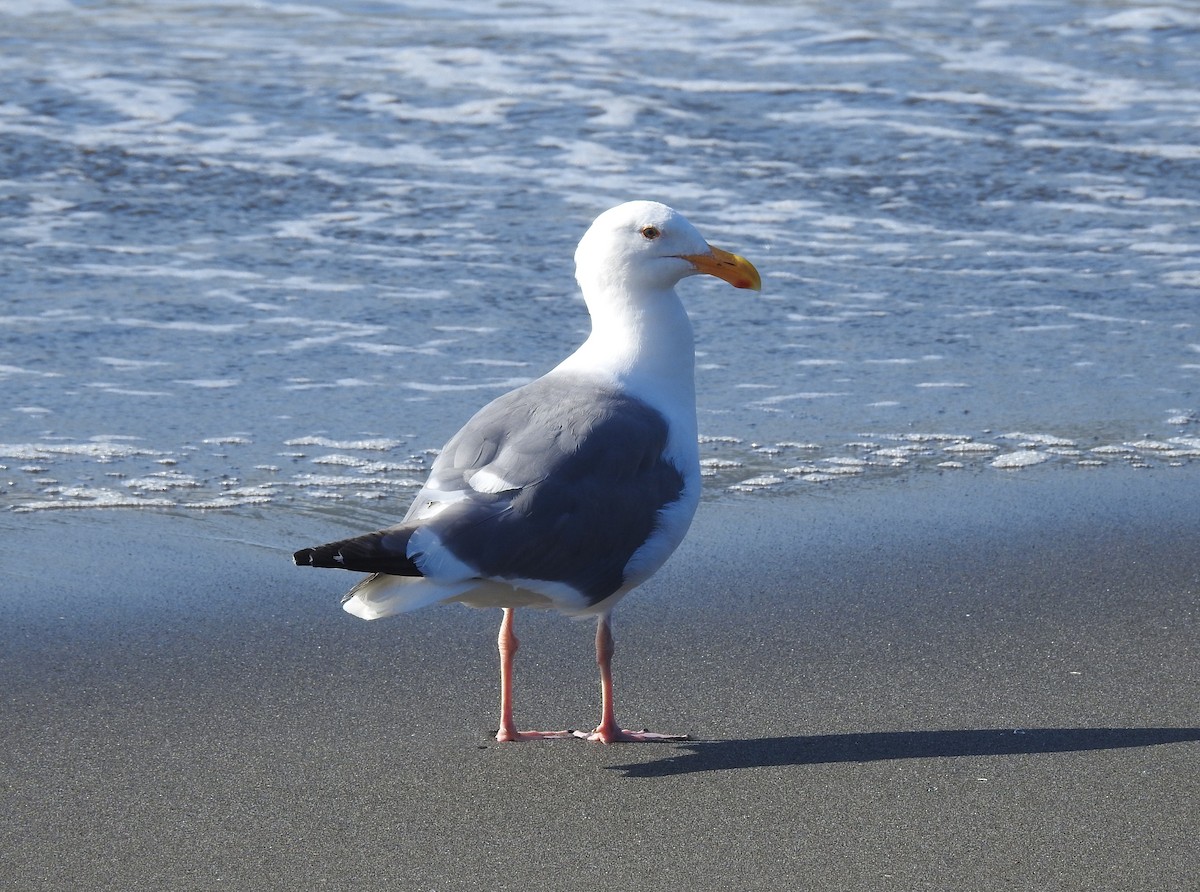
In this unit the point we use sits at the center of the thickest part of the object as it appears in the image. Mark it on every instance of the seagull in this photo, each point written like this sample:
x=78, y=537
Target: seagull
x=572, y=490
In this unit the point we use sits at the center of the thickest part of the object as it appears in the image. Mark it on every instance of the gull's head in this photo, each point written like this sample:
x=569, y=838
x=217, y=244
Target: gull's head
x=646, y=247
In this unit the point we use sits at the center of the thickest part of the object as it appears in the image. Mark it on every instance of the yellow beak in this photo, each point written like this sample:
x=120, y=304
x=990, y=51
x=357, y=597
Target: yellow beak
x=737, y=271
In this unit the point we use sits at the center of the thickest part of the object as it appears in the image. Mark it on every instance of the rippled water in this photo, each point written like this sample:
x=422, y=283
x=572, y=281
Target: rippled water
x=278, y=252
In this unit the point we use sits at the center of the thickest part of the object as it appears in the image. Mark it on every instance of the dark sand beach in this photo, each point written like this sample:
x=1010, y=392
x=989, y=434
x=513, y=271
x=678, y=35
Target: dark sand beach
x=962, y=681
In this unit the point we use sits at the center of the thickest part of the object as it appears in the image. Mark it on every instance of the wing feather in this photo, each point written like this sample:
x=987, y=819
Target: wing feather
x=586, y=480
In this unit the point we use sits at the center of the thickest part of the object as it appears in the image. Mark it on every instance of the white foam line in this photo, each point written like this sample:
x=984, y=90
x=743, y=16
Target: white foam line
x=374, y=444
x=808, y=395
x=1022, y=458
x=507, y=384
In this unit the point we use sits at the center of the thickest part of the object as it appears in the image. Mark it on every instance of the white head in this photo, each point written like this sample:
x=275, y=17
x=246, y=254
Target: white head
x=627, y=264
x=643, y=247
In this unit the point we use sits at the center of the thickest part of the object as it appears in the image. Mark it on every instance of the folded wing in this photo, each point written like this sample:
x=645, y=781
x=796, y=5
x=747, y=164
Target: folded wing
x=559, y=482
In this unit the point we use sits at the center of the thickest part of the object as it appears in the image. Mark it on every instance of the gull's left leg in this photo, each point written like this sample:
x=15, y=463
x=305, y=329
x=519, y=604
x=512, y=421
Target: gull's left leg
x=608, y=731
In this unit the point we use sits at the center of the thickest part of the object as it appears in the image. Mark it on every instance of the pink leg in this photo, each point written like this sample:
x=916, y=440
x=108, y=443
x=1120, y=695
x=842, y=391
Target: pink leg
x=608, y=731
x=508, y=644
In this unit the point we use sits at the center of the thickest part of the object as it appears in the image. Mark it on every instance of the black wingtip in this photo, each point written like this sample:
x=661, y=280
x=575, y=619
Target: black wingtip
x=383, y=551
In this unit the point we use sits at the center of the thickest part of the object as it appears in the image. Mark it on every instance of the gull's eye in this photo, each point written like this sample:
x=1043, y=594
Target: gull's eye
x=650, y=233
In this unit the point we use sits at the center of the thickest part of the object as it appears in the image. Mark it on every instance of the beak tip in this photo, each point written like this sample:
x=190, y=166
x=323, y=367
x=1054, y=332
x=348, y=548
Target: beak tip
x=747, y=277
x=737, y=271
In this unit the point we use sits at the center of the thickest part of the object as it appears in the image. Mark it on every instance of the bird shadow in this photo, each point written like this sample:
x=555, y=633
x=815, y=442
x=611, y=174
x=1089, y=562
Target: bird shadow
x=879, y=746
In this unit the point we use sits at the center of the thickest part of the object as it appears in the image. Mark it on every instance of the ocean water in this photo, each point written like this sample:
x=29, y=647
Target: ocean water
x=275, y=253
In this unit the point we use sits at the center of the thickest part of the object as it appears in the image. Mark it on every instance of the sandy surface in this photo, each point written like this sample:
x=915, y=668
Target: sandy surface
x=964, y=682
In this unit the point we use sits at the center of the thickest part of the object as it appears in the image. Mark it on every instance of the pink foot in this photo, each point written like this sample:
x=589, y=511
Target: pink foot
x=621, y=735
x=512, y=735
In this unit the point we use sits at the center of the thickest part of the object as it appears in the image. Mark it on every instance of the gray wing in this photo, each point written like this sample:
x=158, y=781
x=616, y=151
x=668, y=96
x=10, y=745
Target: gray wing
x=560, y=480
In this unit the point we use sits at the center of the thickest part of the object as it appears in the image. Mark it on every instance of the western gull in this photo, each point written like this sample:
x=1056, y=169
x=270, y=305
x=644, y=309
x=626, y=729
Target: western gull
x=572, y=490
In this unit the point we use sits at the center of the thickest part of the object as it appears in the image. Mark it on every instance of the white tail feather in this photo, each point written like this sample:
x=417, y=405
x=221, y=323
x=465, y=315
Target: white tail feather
x=381, y=595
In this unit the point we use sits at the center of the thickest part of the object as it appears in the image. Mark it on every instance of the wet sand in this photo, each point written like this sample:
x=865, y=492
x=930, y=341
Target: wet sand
x=970, y=681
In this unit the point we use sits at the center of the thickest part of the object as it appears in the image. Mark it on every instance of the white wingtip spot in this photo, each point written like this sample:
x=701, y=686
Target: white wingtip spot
x=484, y=480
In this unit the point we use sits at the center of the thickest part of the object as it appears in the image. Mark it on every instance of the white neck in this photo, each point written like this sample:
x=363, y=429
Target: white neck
x=646, y=347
